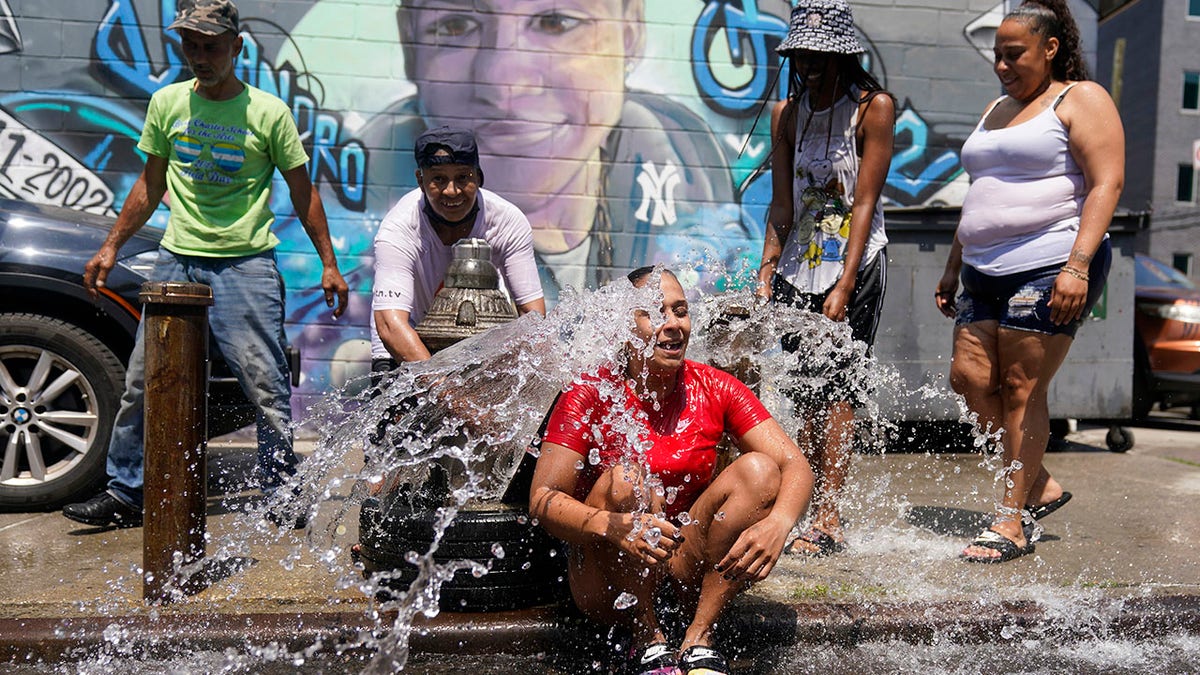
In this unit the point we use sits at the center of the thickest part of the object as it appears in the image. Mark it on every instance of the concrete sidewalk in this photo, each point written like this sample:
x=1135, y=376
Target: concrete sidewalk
x=1127, y=546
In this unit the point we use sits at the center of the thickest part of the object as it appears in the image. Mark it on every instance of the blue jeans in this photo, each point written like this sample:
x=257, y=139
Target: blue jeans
x=246, y=323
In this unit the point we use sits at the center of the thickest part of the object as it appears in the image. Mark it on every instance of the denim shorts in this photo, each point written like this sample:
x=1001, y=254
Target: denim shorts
x=1021, y=300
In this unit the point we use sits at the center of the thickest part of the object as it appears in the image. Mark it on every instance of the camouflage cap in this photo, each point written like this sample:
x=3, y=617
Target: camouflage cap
x=210, y=17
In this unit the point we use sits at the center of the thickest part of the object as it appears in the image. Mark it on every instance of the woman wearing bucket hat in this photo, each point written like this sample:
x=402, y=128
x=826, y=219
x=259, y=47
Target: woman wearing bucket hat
x=824, y=247
x=1046, y=163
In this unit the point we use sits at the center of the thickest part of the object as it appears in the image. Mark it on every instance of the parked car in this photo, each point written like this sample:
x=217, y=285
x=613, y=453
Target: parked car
x=1166, y=366
x=63, y=356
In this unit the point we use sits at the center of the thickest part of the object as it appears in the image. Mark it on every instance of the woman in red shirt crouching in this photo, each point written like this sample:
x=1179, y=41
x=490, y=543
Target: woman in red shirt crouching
x=625, y=477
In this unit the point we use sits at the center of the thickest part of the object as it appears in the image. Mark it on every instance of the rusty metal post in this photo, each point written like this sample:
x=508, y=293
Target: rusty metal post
x=175, y=326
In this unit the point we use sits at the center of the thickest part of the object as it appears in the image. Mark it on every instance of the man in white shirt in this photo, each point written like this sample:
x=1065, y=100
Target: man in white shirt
x=413, y=247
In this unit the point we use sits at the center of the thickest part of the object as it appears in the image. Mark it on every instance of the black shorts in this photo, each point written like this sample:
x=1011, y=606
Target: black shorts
x=844, y=379
x=866, y=302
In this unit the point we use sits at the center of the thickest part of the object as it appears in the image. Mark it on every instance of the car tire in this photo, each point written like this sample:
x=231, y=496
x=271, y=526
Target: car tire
x=1143, y=382
x=54, y=449
x=530, y=570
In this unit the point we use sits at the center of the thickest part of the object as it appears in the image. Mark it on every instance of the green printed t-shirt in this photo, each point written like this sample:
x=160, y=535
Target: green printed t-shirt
x=221, y=158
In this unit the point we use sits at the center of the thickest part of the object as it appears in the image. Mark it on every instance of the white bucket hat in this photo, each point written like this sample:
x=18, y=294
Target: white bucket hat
x=821, y=26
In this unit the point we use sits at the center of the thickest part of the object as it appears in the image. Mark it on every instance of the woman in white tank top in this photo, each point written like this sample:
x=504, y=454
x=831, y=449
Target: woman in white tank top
x=1047, y=166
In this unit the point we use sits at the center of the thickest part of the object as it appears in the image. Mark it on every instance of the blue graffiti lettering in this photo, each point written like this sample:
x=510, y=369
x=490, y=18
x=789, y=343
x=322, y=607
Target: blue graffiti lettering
x=913, y=175
x=352, y=167
x=252, y=68
x=742, y=24
x=122, y=51
x=345, y=165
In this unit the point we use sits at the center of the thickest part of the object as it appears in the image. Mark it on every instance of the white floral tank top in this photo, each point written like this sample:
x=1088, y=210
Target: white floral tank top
x=825, y=166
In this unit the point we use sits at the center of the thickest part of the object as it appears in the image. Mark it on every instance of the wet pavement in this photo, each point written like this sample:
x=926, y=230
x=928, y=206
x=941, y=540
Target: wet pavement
x=1124, y=553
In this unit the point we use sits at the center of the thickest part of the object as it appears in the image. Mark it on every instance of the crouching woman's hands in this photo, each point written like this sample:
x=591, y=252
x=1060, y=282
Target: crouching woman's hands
x=647, y=538
x=611, y=513
x=771, y=474
x=755, y=552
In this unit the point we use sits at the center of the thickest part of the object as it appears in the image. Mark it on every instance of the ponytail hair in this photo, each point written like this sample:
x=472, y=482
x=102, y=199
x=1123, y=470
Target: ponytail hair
x=1052, y=19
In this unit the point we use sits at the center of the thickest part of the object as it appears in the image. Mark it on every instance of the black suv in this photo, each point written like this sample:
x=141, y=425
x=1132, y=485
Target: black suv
x=63, y=356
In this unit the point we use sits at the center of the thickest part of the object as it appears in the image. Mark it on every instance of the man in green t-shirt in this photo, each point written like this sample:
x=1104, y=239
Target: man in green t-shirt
x=213, y=144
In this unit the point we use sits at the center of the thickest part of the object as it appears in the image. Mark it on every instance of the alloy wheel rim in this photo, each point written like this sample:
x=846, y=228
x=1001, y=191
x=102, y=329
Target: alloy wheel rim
x=49, y=415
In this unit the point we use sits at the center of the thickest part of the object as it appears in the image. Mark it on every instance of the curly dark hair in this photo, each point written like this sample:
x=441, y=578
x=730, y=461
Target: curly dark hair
x=1052, y=19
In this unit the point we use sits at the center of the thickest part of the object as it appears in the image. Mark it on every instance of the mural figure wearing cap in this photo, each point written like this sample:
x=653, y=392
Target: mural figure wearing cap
x=824, y=248
x=213, y=144
x=589, y=161
x=413, y=246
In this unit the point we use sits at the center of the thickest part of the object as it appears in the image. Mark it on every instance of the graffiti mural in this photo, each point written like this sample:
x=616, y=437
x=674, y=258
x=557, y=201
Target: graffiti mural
x=629, y=132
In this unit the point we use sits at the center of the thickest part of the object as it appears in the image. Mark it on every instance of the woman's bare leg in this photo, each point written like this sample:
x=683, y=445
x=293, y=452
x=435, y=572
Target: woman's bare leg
x=599, y=573
x=831, y=450
x=1028, y=362
x=740, y=496
x=975, y=373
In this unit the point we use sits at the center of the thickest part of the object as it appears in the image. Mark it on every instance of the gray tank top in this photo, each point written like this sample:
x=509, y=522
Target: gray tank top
x=1022, y=209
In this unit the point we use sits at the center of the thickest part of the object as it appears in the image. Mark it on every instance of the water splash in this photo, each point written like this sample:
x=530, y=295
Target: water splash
x=465, y=419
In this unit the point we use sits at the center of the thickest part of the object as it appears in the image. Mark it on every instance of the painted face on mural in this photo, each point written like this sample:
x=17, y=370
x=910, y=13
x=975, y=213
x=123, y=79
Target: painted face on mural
x=210, y=57
x=1022, y=59
x=541, y=82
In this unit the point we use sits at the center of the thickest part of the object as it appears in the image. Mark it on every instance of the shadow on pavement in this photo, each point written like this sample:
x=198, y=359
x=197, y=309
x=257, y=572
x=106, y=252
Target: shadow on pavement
x=948, y=521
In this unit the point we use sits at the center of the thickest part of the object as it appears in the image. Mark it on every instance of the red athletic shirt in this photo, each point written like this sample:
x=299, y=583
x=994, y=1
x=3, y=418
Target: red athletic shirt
x=682, y=435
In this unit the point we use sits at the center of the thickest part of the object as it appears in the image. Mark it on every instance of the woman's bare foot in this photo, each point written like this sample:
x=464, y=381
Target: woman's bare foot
x=816, y=543
x=1006, y=527
x=1044, y=490
x=993, y=547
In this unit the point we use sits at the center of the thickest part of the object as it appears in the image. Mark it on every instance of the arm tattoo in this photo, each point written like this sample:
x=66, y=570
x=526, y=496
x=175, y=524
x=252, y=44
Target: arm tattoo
x=1080, y=257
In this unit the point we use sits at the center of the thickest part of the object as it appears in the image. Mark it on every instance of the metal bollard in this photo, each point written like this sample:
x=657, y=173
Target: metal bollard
x=175, y=326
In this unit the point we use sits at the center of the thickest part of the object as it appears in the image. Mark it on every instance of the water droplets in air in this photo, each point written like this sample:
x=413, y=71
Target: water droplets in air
x=653, y=536
x=463, y=421
x=625, y=601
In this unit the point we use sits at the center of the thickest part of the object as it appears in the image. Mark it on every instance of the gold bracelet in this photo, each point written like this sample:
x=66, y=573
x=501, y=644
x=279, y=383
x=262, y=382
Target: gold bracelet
x=1078, y=274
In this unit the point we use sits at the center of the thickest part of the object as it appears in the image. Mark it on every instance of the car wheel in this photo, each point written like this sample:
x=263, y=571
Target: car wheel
x=1143, y=387
x=59, y=392
x=526, y=566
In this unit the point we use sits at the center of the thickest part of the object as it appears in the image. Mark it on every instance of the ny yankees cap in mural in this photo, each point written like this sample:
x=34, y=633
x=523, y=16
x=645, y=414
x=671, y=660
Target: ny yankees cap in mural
x=821, y=26
x=459, y=145
x=210, y=17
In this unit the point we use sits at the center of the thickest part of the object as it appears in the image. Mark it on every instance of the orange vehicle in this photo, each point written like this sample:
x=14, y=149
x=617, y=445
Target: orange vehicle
x=1166, y=366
